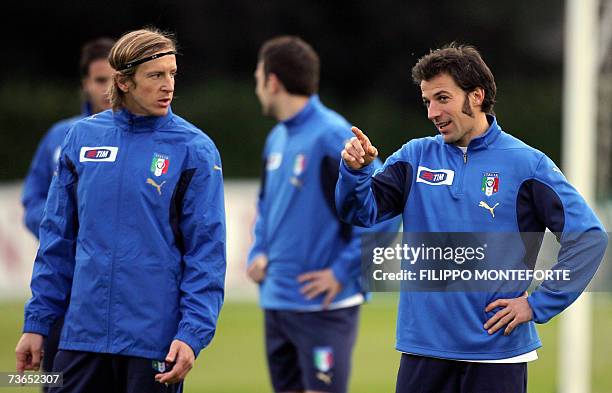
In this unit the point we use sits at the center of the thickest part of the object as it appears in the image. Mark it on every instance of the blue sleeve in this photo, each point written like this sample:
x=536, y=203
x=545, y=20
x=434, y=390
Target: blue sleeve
x=202, y=226
x=365, y=197
x=37, y=181
x=259, y=242
x=54, y=265
x=347, y=266
x=559, y=207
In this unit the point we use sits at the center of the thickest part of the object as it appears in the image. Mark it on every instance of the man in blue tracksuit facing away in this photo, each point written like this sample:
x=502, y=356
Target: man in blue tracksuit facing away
x=306, y=261
x=473, y=177
x=133, y=236
x=96, y=76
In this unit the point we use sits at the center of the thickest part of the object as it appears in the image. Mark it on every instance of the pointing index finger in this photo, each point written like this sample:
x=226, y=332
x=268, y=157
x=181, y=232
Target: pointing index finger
x=359, y=134
x=363, y=139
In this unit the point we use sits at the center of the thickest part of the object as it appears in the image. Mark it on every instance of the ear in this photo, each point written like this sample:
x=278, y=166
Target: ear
x=477, y=96
x=275, y=84
x=123, y=82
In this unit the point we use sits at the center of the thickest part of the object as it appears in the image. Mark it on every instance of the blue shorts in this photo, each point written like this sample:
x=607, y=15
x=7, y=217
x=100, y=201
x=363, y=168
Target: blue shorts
x=50, y=346
x=104, y=372
x=310, y=350
x=420, y=374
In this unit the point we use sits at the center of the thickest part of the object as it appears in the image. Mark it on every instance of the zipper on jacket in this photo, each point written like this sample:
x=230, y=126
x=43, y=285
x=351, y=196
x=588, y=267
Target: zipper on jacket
x=458, y=191
x=128, y=138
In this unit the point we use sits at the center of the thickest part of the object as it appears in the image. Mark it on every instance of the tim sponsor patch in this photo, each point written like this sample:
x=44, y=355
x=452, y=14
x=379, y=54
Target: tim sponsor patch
x=99, y=153
x=435, y=177
x=273, y=161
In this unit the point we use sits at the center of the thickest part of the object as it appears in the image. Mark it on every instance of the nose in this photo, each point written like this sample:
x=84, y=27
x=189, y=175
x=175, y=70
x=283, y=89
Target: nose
x=168, y=85
x=433, y=111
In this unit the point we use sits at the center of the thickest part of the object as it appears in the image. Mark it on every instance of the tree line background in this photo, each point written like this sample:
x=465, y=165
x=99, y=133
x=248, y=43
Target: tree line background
x=367, y=50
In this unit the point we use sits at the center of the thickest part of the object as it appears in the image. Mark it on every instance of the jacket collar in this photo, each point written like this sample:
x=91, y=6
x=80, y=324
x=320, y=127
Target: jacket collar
x=86, y=110
x=485, y=140
x=311, y=106
x=135, y=123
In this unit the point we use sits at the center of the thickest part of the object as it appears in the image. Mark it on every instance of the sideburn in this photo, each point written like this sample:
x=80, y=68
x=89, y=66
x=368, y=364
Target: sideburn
x=467, y=110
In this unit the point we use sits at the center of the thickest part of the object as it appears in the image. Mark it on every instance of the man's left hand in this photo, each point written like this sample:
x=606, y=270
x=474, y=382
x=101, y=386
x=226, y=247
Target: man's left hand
x=514, y=312
x=183, y=357
x=318, y=282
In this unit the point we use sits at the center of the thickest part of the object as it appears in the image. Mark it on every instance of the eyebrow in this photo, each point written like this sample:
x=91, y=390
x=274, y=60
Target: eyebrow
x=160, y=71
x=442, y=92
x=437, y=94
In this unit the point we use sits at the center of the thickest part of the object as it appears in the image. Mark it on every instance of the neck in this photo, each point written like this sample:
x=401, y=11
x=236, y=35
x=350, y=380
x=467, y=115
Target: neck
x=132, y=107
x=289, y=106
x=97, y=109
x=481, y=126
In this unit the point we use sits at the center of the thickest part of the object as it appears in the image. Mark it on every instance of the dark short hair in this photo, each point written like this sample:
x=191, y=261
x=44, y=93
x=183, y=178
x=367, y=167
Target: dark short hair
x=294, y=62
x=464, y=64
x=94, y=50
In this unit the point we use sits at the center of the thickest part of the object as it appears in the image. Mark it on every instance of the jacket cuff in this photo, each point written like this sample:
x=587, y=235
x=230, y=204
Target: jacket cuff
x=190, y=339
x=366, y=170
x=340, y=272
x=252, y=257
x=32, y=326
x=538, y=315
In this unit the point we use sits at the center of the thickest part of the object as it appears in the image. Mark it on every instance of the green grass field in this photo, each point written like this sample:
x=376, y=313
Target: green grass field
x=235, y=361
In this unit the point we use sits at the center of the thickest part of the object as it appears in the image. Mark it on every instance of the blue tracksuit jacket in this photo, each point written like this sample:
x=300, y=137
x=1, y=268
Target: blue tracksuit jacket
x=38, y=179
x=133, y=238
x=297, y=226
x=436, y=188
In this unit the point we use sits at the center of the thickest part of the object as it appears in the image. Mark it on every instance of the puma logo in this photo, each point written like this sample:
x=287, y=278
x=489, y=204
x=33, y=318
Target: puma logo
x=327, y=379
x=489, y=208
x=158, y=186
x=295, y=181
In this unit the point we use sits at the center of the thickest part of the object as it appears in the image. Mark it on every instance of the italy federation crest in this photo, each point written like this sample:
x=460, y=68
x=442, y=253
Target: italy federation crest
x=160, y=164
x=299, y=165
x=490, y=183
x=323, y=358
x=159, y=366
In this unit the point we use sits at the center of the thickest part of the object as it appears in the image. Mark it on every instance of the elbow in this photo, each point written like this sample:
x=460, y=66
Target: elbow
x=348, y=214
x=32, y=223
x=605, y=240
x=600, y=238
x=345, y=214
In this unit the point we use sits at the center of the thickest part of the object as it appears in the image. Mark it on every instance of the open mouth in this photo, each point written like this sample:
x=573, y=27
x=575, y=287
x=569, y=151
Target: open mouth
x=441, y=126
x=164, y=101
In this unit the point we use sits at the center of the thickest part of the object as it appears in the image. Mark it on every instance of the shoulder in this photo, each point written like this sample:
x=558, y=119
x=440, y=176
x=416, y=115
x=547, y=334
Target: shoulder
x=415, y=148
x=98, y=120
x=193, y=135
x=196, y=140
x=275, y=139
x=80, y=131
x=275, y=132
x=514, y=149
x=82, y=128
x=333, y=118
x=63, y=125
x=333, y=121
x=332, y=129
x=57, y=132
